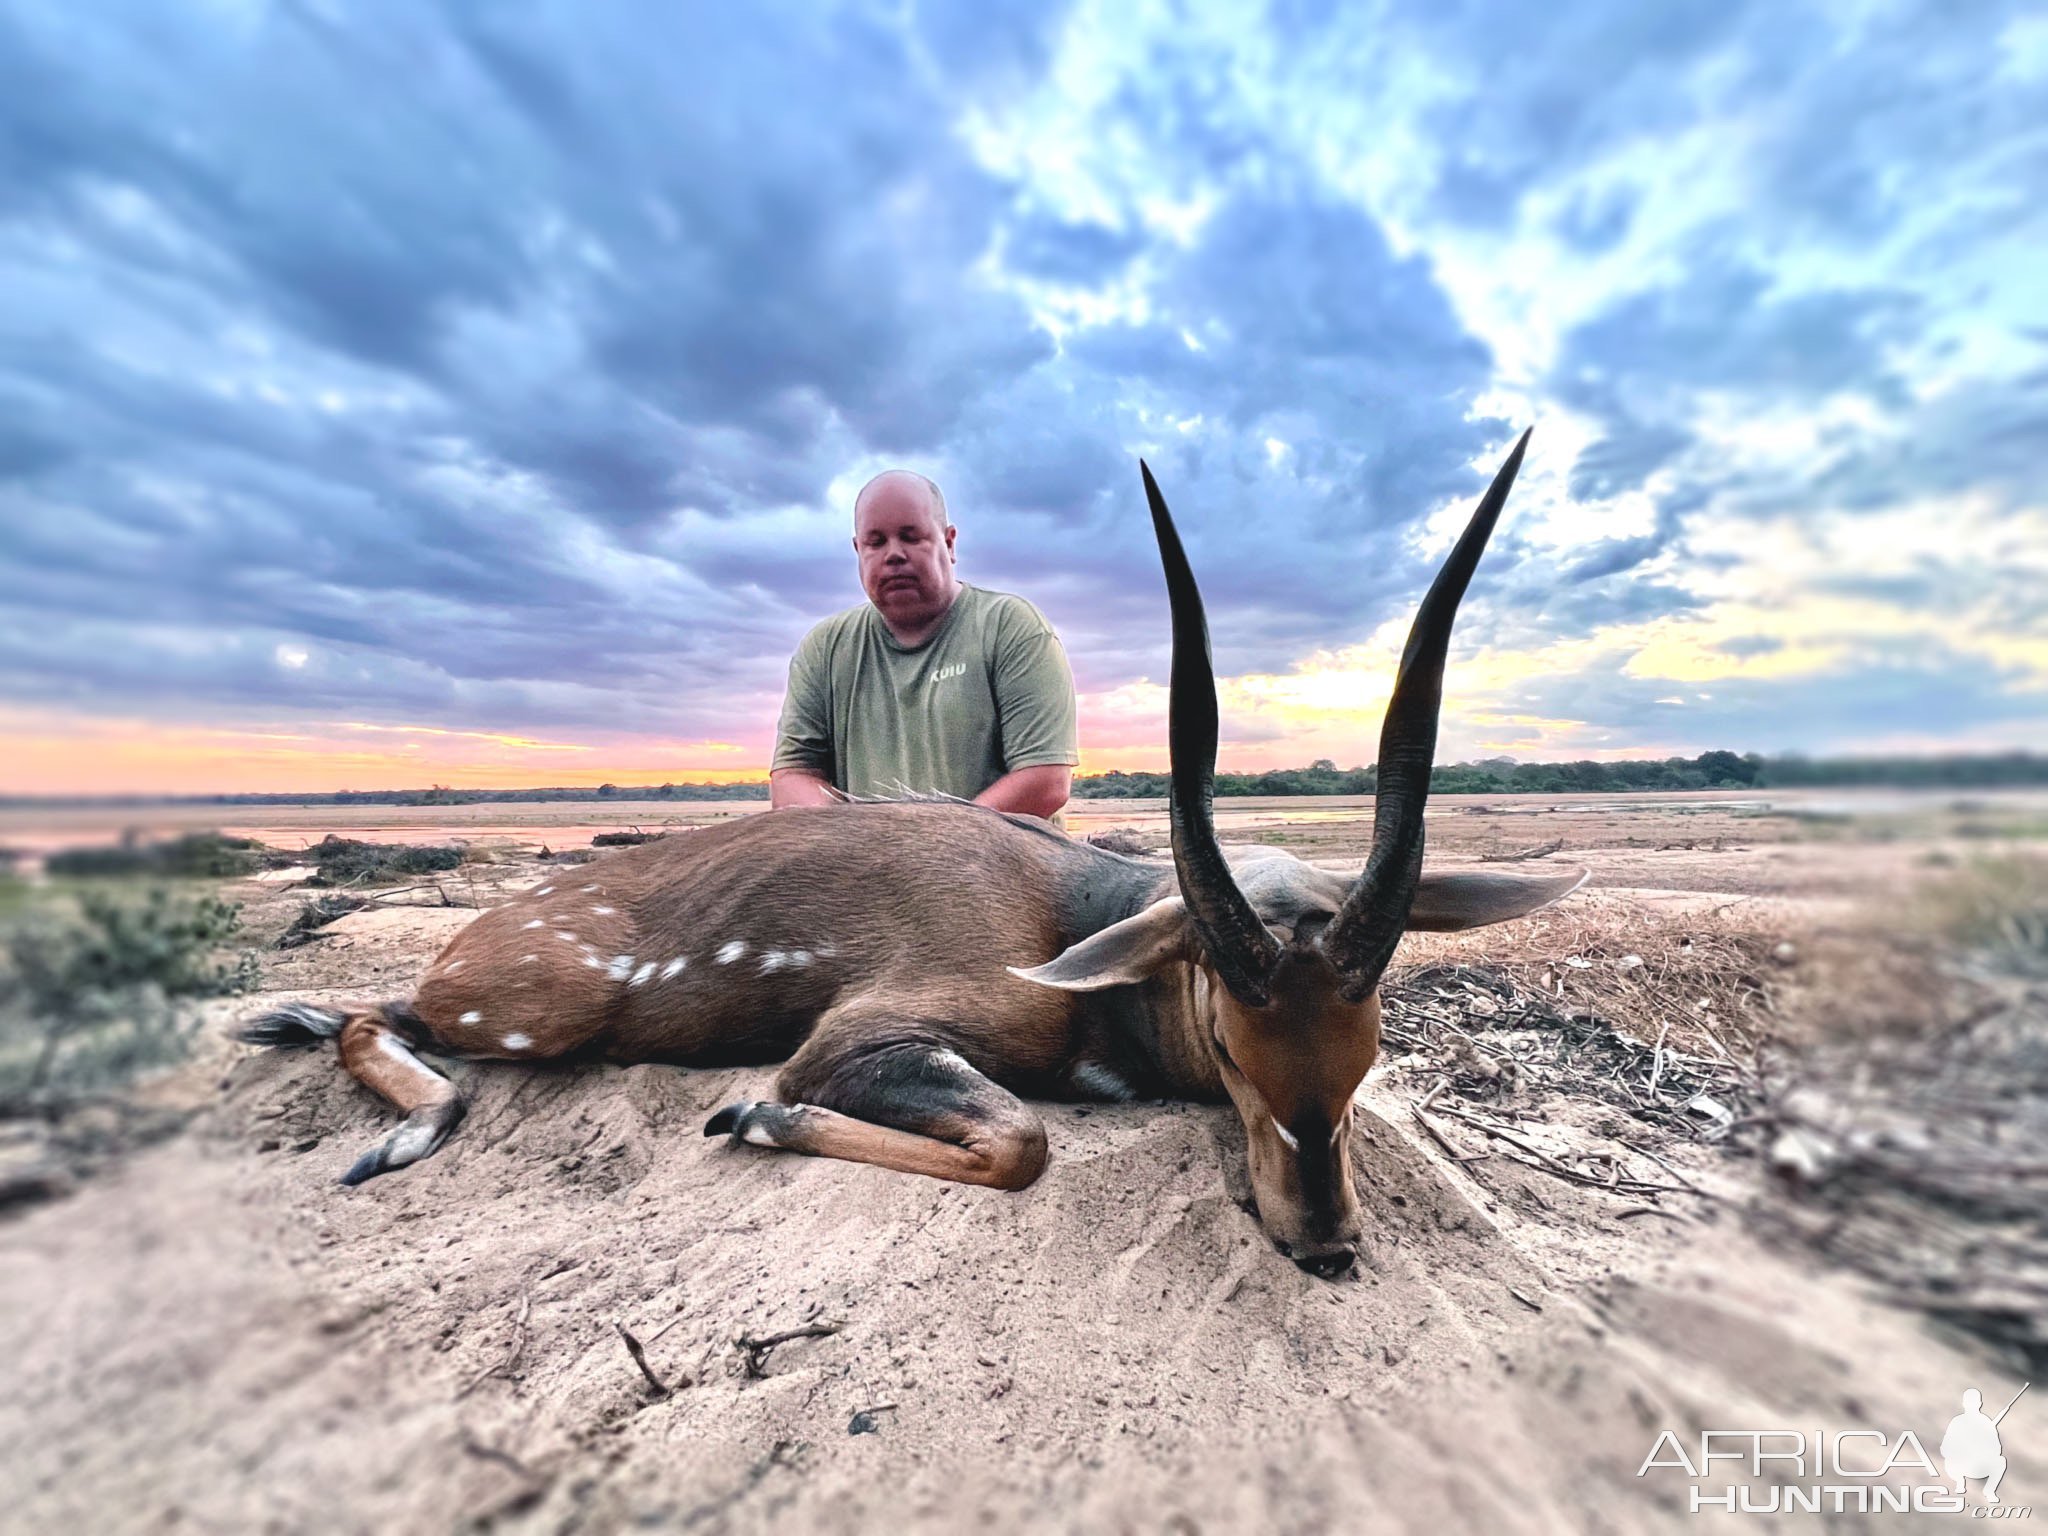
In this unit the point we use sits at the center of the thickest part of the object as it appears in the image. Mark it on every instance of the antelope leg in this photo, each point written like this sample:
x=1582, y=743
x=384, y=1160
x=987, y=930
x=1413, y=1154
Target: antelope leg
x=908, y=1105
x=377, y=1056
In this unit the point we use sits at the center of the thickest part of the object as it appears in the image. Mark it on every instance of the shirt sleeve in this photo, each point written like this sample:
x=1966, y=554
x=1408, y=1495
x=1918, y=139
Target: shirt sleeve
x=803, y=737
x=1034, y=689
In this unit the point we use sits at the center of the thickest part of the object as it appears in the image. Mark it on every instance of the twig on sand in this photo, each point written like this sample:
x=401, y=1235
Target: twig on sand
x=1614, y=1184
x=1690, y=1187
x=758, y=1349
x=1648, y=1210
x=511, y=1357
x=1438, y=1136
x=505, y=1459
x=1541, y=850
x=639, y=1354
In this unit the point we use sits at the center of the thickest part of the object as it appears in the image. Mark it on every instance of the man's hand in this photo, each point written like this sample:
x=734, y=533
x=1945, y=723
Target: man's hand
x=1039, y=791
x=799, y=786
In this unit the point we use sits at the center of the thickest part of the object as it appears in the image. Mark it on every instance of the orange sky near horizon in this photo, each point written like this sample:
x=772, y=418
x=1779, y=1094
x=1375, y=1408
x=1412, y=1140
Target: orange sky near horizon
x=56, y=754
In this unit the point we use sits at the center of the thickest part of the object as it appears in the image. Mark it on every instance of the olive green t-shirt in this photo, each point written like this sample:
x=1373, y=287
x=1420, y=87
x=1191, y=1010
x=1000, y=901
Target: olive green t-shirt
x=988, y=693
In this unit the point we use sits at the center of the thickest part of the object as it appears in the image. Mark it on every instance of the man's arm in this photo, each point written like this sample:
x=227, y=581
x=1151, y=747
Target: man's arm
x=799, y=786
x=801, y=773
x=1034, y=689
x=1039, y=791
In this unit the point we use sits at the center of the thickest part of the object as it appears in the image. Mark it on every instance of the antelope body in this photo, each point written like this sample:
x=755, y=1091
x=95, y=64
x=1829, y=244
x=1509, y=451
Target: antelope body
x=921, y=965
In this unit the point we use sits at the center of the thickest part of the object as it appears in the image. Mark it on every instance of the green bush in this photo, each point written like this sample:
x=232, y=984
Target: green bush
x=92, y=996
x=195, y=856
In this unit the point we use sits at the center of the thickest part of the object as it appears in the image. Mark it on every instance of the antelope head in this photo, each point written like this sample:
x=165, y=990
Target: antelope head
x=1286, y=959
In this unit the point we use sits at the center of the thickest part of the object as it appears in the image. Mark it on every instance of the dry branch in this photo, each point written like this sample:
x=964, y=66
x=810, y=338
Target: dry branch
x=757, y=1350
x=1540, y=851
x=639, y=1354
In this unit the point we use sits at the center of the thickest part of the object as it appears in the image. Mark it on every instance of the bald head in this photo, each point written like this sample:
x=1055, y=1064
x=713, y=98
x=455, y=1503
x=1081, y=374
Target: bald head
x=895, y=492
x=905, y=548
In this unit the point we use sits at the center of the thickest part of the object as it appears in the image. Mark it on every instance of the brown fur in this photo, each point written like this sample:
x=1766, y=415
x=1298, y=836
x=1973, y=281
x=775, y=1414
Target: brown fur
x=851, y=917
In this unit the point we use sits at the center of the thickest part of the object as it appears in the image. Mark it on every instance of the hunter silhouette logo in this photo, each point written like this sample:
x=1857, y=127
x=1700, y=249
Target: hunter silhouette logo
x=1851, y=1471
x=1971, y=1447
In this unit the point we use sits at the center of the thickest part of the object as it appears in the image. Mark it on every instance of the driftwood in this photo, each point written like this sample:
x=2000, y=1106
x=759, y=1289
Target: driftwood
x=1540, y=851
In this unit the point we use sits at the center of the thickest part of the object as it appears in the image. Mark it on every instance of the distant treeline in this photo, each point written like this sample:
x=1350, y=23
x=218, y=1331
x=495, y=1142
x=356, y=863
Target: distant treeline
x=1498, y=775
x=1710, y=770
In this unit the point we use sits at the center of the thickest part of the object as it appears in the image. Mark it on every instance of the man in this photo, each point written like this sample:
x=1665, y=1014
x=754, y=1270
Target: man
x=931, y=685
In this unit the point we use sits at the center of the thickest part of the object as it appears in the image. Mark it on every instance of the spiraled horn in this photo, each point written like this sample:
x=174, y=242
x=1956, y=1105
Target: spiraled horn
x=1360, y=940
x=1240, y=947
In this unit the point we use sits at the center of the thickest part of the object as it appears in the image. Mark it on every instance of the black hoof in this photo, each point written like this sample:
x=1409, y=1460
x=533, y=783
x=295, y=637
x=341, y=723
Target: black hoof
x=368, y=1166
x=727, y=1121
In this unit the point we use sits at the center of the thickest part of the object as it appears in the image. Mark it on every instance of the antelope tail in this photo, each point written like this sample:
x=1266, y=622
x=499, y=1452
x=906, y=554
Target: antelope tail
x=309, y=1024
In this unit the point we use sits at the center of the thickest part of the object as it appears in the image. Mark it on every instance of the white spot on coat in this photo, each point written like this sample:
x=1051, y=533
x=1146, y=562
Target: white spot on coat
x=451, y=967
x=730, y=952
x=546, y=890
x=674, y=966
x=528, y=959
x=518, y=1042
x=538, y=922
x=589, y=888
x=601, y=911
x=590, y=959
x=773, y=960
x=471, y=1017
x=640, y=976
x=565, y=937
x=620, y=968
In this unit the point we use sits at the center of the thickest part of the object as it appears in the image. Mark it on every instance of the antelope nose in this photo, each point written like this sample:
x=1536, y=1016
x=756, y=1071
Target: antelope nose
x=1329, y=1264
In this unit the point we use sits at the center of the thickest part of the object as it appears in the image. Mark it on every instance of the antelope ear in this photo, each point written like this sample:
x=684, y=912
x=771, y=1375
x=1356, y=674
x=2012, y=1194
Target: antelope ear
x=1122, y=953
x=1448, y=901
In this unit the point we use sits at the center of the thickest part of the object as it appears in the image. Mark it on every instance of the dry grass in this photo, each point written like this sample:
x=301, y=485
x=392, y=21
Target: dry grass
x=1708, y=983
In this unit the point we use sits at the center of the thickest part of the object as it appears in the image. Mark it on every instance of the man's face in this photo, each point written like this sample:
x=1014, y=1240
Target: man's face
x=906, y=554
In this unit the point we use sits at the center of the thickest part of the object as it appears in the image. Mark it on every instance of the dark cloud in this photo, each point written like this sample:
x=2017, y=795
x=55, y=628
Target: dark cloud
x=1596, y=223
x=1746, y=646
x=1063, y=251
x=1727, y=325
x=1534, y=97
x=1621, y=461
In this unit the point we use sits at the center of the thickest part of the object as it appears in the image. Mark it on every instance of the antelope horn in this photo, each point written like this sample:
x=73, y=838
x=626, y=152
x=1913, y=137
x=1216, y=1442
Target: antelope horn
x=1243, y=952
x=1360, y=940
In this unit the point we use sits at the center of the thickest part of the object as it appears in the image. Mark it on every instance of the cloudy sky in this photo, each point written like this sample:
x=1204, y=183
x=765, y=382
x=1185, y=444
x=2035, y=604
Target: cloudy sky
x=476, y=393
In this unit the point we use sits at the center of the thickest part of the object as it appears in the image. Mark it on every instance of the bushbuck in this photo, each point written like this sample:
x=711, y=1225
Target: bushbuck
x=926, y=966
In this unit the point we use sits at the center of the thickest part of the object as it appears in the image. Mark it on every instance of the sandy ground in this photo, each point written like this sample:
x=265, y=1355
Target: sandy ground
x=214, y=1336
